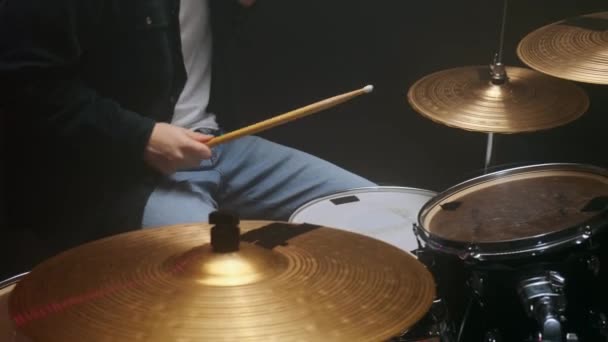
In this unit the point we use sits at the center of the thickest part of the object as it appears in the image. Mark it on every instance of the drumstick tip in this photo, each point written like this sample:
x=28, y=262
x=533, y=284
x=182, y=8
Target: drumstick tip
x=368, y=88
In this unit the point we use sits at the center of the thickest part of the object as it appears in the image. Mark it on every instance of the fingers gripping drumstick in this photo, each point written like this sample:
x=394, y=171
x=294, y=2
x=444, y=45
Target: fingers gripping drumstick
x=289, y=116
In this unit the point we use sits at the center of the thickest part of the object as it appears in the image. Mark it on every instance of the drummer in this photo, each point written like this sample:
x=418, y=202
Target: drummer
x=110, y=107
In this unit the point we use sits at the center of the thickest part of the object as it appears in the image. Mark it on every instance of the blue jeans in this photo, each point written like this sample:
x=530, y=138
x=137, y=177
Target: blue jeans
x=251, y=176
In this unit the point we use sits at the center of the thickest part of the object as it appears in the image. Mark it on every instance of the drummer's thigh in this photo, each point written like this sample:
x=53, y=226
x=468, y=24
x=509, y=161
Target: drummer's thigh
x=186, y=197
x=265, y=180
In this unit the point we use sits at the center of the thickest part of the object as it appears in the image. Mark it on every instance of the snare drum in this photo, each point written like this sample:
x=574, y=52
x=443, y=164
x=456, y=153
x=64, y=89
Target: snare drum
x=528, y=242
x=385, y=213
x=8, y=333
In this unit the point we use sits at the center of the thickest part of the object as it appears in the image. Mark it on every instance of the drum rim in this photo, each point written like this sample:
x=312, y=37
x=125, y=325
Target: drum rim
x=530, y=245
x=366, y=189
x=12, y=280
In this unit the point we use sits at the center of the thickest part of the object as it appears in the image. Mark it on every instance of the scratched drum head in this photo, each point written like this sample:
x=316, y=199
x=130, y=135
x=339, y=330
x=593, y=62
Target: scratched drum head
x=526, y=210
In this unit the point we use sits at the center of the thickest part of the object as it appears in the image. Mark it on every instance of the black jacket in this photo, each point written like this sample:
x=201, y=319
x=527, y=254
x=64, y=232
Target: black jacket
x=82, y=83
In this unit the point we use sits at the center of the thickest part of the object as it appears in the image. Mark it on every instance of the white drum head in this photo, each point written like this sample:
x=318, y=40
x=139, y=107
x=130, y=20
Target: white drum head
x=384, y=213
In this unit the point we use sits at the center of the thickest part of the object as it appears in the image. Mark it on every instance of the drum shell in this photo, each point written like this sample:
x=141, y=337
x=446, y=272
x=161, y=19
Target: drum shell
x=491, y=290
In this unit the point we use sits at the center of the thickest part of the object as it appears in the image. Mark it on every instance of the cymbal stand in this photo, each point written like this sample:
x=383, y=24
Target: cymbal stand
x=498, y=77
x=489, y=149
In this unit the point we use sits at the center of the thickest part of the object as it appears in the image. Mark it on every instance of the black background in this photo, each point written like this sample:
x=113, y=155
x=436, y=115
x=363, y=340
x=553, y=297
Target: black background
x=292, y=53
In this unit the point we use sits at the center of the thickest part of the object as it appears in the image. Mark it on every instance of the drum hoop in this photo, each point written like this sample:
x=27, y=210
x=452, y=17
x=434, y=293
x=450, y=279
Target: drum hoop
x=12, y=280
x=525, y=247
x=522, y=247
x=367, y=189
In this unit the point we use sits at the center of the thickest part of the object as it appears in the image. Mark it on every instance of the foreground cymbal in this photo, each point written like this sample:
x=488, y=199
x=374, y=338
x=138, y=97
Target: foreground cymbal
x=287, y=282
x=466, y=98
x=575, y=49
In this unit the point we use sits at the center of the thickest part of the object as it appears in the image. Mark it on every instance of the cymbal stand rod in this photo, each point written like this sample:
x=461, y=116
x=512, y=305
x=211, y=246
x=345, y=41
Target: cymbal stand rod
x=502, y=31
x=489, y=150
x=497, y=69
x=499, y=76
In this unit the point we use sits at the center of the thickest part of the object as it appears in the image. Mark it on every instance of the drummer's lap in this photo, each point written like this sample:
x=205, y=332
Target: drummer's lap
x=254, y=177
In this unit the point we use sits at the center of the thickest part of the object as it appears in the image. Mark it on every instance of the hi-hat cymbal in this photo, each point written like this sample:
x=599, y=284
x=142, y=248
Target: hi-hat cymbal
x=467, y=98
x=287, y=282
x=575, y=49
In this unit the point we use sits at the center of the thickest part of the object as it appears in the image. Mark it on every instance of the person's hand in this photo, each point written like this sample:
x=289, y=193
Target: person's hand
x=171, y=148
x=247, y=3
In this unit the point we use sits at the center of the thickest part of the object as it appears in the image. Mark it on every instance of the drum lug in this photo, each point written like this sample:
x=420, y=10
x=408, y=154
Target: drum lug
x=471, y=252
x=587, y=233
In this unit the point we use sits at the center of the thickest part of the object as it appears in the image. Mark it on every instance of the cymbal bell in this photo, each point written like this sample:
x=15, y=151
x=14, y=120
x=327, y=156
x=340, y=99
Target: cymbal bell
x=466, y=98
x=575, y=49
x=287, y=282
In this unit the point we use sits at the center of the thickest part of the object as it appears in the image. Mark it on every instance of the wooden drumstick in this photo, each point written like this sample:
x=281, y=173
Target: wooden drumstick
x=289, y=116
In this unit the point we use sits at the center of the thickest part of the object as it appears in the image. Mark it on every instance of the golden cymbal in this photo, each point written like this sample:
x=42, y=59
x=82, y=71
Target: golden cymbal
x=575, y=49
x=466, y=98
x=287, y=282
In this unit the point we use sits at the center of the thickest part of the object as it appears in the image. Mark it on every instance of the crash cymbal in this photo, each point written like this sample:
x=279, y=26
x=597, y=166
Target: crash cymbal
x=466, y=98
x=287, y=282
x=575, y=49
